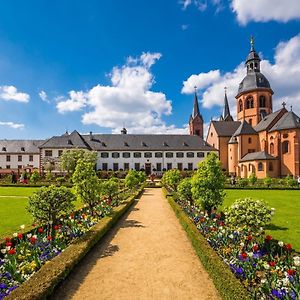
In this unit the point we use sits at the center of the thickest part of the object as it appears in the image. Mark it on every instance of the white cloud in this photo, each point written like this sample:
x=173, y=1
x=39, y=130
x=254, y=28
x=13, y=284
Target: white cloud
x=283, y=75
x=185, y=3
x=128, y=100
x=202, y=5
x=43, y=96
x=266, y=10
x=12, y=125
x=10, y=93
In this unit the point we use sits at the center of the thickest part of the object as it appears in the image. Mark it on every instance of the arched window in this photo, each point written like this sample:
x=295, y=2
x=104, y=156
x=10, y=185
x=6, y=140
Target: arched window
x=285, y=147
x=262, y=101
x=260, y=166
x=249, y=102
x=251, y=66
x=240, y=105
x=250, y=122
x=249, y=140
x=271, y=166
x=272, y=148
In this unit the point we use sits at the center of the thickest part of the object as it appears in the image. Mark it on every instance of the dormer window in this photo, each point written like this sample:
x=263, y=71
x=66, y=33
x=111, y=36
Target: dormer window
x=126, y=144
x=70, y=142
x=185, y=144
x=165, y=144
x=3, y=148
x=103, y=144
x=22, y=149
x=144, y=144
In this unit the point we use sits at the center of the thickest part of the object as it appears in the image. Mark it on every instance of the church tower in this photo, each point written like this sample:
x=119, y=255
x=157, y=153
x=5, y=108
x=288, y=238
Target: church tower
x=254, y=98
x=196, y=120
x=226, y=116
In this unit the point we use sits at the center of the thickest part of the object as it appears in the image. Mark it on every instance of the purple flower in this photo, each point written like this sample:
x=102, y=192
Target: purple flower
x=3, y=286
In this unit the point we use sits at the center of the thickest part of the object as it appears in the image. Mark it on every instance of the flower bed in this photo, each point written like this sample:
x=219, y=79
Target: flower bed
x=268, y=269
x=23, y=254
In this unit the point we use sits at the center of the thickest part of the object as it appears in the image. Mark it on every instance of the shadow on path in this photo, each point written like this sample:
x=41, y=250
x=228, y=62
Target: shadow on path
x=102, y=249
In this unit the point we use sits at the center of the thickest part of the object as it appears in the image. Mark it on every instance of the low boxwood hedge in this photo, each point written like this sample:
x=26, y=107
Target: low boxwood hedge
x=43, y=282
x=226, y=283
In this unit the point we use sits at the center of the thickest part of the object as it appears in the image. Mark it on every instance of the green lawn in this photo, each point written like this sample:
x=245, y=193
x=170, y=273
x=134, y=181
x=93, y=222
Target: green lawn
x=13, y=211
x=285, y=224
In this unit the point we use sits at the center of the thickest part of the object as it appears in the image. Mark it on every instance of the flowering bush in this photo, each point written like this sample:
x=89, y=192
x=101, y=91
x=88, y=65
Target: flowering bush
x=249, y=212
x=23, y=254
x=267, y=268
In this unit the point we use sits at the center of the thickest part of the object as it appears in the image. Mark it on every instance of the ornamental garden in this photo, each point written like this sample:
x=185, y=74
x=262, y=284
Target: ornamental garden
x=246, y=234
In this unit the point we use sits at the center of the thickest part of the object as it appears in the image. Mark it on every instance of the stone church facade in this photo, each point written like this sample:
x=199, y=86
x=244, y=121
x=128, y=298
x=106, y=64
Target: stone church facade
x=260, y=141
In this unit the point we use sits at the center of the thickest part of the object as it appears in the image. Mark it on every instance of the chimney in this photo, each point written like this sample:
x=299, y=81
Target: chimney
x=91, y=136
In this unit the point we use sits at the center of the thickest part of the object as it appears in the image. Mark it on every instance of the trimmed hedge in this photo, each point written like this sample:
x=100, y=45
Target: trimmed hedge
x=229, y=287
x=43, y=282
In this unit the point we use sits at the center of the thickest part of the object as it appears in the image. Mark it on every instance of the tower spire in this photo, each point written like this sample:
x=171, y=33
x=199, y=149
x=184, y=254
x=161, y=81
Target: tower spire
x=226, y=111
x=196, y=110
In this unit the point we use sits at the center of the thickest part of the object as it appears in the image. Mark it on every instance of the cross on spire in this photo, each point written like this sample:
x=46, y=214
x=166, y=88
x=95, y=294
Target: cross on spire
x=252, y=42
x=283, y=104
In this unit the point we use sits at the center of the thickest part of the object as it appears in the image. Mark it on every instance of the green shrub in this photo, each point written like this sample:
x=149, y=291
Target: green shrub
x=49, y=176
x=184, y=188
x=249, y=212
x=109, y=188
x=34, y=178
x=60, y=180
x=268, y=181
x=86, y=183
x=171, y=178
x=208, y=183
x=48, y=204
x=290, y=181
x=243, y=182
x=252, y=179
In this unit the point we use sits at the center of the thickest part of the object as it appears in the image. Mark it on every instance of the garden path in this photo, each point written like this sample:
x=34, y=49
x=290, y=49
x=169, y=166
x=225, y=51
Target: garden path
x=147, y=255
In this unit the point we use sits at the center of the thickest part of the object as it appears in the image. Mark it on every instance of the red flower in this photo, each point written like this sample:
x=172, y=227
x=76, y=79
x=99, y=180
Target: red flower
x=32, y=240
x=249, y=237
x=255, y=247
x=49, y=238
x=56, y=227
x=7, y=239
x=268, y=238
x=272, y=263
x=222, y=223
x=11, y=251
x=202, y=220
x=20, y=236
x=72, y=216
x=33, y=225
x=288, y=247
x=8, y=244
x=291, y=272
x=40, y=230
x=244, y=255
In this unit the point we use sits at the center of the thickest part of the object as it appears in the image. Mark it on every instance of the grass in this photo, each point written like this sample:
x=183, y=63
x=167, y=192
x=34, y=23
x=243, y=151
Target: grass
x=285, y=224
x=13, y=213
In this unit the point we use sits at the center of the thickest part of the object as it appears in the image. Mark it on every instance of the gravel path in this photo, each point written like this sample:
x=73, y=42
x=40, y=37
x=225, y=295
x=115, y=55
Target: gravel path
x=147, y=255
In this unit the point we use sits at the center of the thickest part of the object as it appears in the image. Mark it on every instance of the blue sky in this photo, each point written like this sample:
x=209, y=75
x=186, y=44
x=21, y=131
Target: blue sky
x=99, y=65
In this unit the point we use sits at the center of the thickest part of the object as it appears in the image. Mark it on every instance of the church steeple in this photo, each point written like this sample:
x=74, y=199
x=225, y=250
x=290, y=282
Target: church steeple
x=253, y=59
x=196, y=120
x=226, y=111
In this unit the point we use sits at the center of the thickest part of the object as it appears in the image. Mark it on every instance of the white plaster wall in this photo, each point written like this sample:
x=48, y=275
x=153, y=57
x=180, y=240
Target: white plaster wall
x=14, y=163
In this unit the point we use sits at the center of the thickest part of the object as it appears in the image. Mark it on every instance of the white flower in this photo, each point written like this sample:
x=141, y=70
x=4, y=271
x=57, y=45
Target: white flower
x=29, y=235
x=266, y=266
x=22, y=226
x=44, y=239
x=263, y=280
x=231, y=236
x=15, y=234
x=7, y=248
x=280, y=243
x=34, y=236
x=3, y=251
x=250, y=254
x=242, y=244
x=296, y=261
x=50, y=222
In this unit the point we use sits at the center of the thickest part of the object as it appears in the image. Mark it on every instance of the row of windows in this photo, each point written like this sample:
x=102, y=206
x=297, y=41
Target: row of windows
x=49, y=153
x=137, y=166
x=249, y=103
x=19, y=167
x=22, y=149
x=20, y=158
x=149, y=154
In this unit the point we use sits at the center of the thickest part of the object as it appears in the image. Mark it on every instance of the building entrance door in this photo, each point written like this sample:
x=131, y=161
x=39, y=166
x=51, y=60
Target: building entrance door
x=148, y=168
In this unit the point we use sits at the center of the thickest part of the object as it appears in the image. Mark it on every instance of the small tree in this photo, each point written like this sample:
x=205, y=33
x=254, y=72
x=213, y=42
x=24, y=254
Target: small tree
x=34, y=178
x=86, y=183
x=252, y=179
x=208, y=183
x=108, y=189
x=290, y=181
x=132, y=179
x=267, y=181
x=70, y=158
x=184, y=189
x=48, y=204
x=171, y=178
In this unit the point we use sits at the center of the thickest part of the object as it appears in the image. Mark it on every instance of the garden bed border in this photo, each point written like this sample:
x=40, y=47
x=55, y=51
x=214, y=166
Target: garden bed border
x=229, y=287
x=43, y=282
